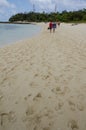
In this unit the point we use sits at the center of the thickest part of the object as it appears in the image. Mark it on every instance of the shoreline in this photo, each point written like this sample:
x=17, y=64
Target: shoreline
x=21, y=22
x=18, y=22
x=43, y=81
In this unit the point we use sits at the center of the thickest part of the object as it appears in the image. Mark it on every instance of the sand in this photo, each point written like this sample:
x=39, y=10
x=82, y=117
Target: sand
x=43, y=81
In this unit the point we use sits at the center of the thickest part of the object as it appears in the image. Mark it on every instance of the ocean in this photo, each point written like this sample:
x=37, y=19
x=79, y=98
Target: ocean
x=11, y=33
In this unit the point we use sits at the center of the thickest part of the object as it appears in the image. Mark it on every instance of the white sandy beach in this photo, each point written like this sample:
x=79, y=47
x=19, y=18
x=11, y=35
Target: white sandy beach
x=43, y=81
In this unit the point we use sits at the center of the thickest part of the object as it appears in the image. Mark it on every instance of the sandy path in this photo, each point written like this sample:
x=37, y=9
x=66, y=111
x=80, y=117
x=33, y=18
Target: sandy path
x=43, y=81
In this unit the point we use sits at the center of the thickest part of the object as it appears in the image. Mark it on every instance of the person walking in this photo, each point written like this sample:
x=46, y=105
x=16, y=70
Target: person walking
x=54, y=27
x=50, y=26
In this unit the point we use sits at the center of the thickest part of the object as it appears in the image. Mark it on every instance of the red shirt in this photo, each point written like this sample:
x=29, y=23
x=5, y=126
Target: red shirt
x=50, y=25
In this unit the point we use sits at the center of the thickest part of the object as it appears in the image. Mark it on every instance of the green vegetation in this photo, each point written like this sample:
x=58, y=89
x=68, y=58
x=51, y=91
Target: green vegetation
x=72, y=16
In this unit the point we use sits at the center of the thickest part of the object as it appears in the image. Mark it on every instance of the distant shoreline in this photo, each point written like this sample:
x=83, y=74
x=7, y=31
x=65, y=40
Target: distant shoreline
x=18, y=22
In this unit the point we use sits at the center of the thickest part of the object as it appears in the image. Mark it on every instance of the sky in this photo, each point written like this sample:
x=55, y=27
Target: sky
x=11, y=7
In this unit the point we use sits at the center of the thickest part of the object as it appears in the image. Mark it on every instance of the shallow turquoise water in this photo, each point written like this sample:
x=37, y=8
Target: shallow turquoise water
x=10, y=33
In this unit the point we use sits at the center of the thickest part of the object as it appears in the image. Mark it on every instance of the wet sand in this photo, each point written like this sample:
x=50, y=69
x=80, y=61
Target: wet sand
x=43, y=81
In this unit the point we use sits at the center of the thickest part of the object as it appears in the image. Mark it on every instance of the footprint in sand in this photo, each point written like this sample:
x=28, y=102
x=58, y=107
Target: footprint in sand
x=32, y=119
x=73, y=125
x=59, y=107
x=2, y=116
x=59, y=90
x=71, y=104
x=37, y=97
x=45, y=77
x=29, y=111
x=10, y=117
x=36, y=75
x=80, y=106
x=56, y=90
x=28, y=96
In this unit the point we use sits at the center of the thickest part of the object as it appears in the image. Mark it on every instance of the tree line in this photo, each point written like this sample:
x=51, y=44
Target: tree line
x=64, y=16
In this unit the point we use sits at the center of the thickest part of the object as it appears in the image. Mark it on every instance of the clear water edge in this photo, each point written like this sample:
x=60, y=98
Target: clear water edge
x=12, y=33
